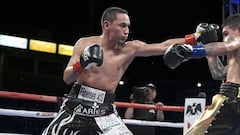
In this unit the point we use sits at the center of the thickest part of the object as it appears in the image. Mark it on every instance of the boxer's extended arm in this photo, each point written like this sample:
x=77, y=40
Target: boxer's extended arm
x=178, y=53
x=205, y=33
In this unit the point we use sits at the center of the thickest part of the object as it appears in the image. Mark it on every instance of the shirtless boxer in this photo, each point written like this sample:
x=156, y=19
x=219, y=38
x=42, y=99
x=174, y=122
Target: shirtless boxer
x=95, y=68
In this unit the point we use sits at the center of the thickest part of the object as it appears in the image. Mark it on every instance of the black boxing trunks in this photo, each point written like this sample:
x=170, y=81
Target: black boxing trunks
x=87, y=111
x=227, y=121
x=222, y=117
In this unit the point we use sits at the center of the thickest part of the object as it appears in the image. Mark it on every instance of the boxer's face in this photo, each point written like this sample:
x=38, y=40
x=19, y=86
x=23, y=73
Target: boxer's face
x=150, y=94
x=228, y=31
x=119, y=29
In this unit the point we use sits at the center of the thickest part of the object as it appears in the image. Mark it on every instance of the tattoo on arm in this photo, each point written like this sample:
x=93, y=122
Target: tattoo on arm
x=217, y=69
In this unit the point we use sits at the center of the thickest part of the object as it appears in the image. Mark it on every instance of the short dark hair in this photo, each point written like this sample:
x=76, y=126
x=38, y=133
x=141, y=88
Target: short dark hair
x=232, y=20
x=110, y=14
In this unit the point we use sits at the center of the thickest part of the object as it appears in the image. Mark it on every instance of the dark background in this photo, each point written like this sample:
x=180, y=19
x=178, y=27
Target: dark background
x=67, y=21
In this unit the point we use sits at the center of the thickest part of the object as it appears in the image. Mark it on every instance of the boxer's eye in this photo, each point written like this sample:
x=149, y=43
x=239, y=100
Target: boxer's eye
x=124, y=25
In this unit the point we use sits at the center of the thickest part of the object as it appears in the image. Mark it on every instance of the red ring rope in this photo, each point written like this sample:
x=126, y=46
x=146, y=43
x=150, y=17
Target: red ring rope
x=25, y=96
x=54, y=99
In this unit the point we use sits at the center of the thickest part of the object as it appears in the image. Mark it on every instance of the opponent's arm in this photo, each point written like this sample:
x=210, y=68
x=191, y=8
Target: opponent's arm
x=179, y=53
x=91, y=55
x=217, y=69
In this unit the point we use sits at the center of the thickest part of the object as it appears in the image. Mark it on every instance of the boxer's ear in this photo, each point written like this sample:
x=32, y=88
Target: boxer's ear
x=238, y=29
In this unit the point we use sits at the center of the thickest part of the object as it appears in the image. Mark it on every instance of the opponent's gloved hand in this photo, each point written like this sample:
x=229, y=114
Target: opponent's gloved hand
x=179, y=53
x=91, y=55
x=205, y=33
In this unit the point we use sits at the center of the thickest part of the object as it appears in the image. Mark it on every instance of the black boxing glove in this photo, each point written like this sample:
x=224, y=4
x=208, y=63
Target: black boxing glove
x=205, y=33
x=91, y=55
x=179, y=53
x=173, y=56
x=208, y=33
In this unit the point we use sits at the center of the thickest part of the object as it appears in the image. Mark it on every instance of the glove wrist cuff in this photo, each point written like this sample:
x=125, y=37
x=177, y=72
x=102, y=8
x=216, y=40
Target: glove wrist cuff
x=198, y=51
x=190, y=39
x=77, y=68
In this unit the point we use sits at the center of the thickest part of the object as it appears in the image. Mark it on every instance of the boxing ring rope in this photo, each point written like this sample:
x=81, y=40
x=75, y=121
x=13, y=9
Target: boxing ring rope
x=54, y=99
x=148, y=107
x=26, y=96
x=38, y=114
x=25, y=113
